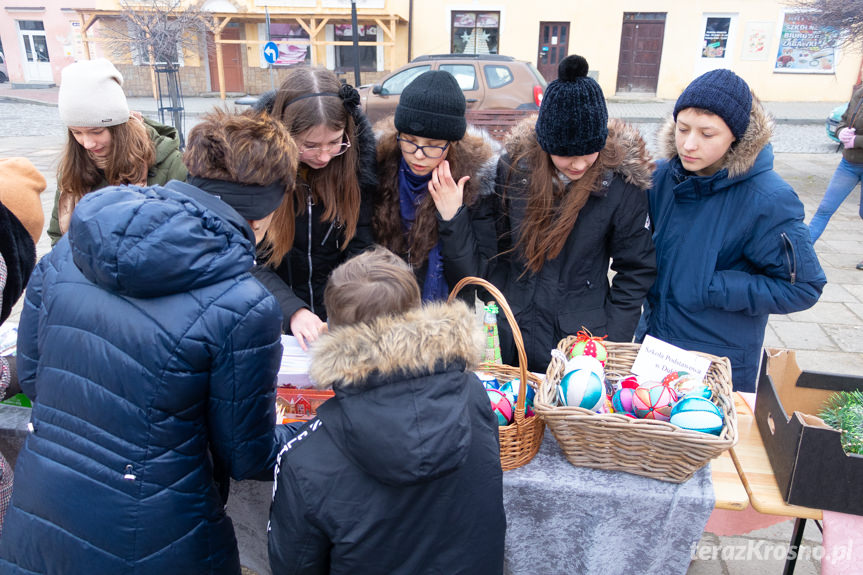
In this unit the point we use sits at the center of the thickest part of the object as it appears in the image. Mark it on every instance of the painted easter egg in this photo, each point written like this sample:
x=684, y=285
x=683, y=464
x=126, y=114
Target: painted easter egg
x=501, y=406
x=697, y=414
x=621, y=401
x=593, y=347
x=671, y=377
x=631, y=382
x=488, y=380
x=583, y=384
x=654, y=402
x=511, y=389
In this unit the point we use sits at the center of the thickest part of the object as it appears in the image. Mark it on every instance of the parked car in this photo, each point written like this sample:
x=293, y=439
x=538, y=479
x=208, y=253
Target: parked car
x=489, y=82
x=833, y=121
x=4, y=72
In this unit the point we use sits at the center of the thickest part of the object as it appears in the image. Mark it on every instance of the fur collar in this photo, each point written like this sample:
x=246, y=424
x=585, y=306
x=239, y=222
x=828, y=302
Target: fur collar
x=636, y=168
x=741, y=157
x=479, y=151
x=413, y=343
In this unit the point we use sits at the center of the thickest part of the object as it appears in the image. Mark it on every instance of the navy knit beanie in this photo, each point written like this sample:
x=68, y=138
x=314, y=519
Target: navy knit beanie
x=722, y=92
x=432, y=106
x=573, y=119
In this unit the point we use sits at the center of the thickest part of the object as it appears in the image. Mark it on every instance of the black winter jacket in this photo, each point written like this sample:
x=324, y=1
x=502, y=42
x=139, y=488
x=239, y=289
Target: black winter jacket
x=573, y=291
x=400, y=472
x=471, y=229
x=299, y=280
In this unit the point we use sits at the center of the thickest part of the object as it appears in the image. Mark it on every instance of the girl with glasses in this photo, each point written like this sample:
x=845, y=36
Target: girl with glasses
x=436, y=179
x=328, y=218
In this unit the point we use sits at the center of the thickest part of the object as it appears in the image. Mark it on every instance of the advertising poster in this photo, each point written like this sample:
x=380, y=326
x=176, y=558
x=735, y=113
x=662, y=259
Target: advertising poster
x=756, y=41
x=715, y=37
x=803, y=47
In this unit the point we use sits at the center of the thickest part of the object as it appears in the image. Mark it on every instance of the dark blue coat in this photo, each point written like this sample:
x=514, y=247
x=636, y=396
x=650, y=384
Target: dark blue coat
x=150, y=355
x=731, y=249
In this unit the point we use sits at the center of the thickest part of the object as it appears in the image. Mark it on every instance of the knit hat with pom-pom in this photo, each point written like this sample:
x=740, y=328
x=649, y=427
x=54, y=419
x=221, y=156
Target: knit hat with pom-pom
x=573, y=118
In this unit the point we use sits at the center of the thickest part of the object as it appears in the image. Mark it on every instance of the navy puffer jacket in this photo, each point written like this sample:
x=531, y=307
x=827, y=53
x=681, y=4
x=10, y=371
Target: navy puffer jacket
x=150, y=355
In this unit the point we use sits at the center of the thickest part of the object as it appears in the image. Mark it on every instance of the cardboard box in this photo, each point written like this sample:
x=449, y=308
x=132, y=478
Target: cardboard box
x=808, y=461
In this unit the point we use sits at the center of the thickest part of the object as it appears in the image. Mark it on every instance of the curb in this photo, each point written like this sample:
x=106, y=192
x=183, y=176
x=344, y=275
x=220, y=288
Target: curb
x=21, y=100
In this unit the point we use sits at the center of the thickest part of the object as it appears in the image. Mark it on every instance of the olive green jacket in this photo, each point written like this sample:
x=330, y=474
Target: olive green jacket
x=168, y=166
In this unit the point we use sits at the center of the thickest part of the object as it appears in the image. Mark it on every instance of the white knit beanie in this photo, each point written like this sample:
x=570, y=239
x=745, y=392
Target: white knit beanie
x=91, y=95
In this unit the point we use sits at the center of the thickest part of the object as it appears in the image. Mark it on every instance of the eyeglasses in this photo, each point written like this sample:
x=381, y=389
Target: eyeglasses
x=433, y=152
x=332, y=149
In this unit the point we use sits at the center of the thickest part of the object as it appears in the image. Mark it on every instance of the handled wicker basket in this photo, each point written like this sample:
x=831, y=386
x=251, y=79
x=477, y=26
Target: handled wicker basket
x=520, y=440
x=645, y=447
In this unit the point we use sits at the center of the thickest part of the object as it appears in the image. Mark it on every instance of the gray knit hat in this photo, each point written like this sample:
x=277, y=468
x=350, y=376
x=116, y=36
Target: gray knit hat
x=722, y=92
x=91, y=95
x=573, y=118
x=432, y=106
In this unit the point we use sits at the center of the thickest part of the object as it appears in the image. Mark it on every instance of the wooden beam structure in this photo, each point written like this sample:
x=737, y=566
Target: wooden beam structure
x=313, y=22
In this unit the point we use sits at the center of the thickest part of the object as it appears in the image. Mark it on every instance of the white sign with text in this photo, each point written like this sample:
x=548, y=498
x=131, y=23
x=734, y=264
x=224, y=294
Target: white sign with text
x=656, y=359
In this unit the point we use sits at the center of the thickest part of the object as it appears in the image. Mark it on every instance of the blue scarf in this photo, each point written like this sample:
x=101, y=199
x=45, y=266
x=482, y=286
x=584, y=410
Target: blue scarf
x=412, y=191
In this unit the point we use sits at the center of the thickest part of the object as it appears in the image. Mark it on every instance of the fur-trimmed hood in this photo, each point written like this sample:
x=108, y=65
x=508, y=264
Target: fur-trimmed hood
x=636, y=167
x=405, y=396
x=408, y=345
x=741, y=157
x=480, y=153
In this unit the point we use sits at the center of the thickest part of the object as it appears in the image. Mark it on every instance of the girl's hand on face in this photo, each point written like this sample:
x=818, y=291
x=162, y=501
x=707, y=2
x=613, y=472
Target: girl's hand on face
x=306, y=327
x=448, y=195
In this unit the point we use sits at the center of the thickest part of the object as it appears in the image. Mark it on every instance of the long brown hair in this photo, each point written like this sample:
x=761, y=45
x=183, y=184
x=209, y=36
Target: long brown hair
x=553, y=206
x=132, y=152
x=423, y=235
x=335, y=185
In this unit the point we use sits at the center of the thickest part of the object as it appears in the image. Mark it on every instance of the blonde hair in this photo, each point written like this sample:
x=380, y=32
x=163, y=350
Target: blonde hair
x=372, y=284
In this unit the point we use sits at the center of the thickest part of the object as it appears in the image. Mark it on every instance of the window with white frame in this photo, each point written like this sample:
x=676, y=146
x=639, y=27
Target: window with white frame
x=475, y=32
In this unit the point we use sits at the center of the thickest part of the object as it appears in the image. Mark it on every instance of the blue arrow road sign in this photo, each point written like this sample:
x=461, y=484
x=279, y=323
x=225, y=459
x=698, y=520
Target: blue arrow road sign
x=271, y=52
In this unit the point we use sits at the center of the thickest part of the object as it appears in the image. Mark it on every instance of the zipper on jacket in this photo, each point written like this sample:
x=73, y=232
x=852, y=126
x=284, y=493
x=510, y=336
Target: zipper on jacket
x=309, y=253
x=128, y=475
x=329, y=231
x=790, y=257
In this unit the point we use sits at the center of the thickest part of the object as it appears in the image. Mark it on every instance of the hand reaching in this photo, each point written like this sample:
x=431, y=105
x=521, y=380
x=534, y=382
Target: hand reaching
x=448, y=195
x=306, y=327
x=846, y=136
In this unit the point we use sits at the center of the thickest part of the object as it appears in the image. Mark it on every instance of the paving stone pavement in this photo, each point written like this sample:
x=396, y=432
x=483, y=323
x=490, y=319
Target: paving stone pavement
x=828, y=337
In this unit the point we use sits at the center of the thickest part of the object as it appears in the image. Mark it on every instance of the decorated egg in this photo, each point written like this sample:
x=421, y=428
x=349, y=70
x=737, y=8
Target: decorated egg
x=654, y=402
x=622, y=400
x=696, y=390
x=591, y=347
x=488, y=380
x=671, y=377
x=697, y=414
x=583, y=383
x=511, y=389
x=501, y=406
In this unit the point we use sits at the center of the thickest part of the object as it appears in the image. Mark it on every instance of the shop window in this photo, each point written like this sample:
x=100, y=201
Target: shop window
x=345, y=54
x=475, y=32
x=290, y=54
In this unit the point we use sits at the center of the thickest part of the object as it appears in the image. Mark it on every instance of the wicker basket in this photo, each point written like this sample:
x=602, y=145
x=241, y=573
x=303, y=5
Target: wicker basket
x=520, y=440
x=645, y=447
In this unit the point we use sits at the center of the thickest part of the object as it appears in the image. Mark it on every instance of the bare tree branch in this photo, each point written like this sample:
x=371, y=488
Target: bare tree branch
x=844, y=16
x=156, y=29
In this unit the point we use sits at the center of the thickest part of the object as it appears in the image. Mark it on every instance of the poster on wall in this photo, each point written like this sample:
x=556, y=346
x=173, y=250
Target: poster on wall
x=756, y=41
x=715, y=37
x=805, y=48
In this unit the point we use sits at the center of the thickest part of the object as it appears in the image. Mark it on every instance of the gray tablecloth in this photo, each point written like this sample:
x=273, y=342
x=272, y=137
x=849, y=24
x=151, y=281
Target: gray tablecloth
x=560, y=519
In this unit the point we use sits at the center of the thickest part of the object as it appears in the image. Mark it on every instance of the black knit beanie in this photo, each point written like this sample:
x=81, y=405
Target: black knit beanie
x=722, y=92
x=432, y=106
x=573, y=119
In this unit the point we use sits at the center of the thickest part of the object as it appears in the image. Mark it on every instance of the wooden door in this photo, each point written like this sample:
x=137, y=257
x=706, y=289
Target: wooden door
x=232, y=62
x=640, y=51
x=553, y=47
